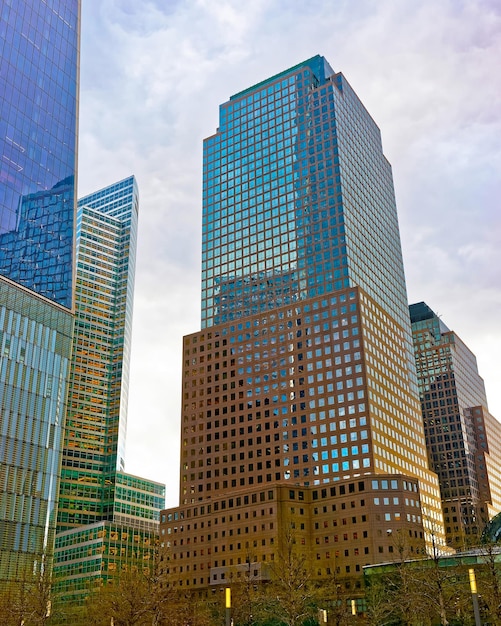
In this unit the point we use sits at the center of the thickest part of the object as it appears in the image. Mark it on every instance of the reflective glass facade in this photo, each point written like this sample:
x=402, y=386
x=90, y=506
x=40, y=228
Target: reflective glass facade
x=39, y=46
x=126, y=540
x=35, y=347
x=94, y=446
x=298, y=199
x=461, y=436
x=39, y=71
x=107, y=520
x=89, y=555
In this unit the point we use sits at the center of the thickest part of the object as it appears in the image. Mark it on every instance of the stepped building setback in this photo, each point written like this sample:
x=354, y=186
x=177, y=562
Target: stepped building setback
x=300, y=390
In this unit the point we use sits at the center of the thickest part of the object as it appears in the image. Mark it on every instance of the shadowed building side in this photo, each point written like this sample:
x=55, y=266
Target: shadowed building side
x=461, y=435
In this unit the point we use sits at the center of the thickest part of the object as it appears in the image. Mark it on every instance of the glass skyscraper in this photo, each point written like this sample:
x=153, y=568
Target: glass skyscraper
x=463, y=439
x=39, y=57
x=296, y=175
x=303, y=373
x=94, y=445
x=39, y=48
x=103, y=512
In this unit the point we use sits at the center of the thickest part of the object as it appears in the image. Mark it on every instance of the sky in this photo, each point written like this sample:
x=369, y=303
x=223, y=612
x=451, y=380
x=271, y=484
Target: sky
x=153, y=74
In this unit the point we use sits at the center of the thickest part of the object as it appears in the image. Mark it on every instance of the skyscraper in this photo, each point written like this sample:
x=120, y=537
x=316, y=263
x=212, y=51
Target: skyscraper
x=39, y=48
x=303, y=374
x=94, y=445
x=296, y=175
x=461, y=435
x=113, y=514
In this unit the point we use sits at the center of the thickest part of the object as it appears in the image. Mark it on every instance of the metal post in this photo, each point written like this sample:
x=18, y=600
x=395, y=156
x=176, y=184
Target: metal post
x=474, y=596
x=227, y=596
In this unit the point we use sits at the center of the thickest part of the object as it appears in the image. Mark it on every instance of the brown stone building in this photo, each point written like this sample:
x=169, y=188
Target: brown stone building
x=338, y=528
x=304, y=395
x=282, y=429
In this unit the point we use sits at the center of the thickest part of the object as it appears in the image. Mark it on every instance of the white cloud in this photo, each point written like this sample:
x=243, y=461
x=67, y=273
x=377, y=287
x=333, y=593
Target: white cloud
x=153, y=76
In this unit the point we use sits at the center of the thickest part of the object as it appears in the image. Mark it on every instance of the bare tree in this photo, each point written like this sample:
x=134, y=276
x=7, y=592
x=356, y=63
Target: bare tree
x=336, y=602
x=123, y=601
x=421, y=592
x=290, y=596
x=186, y=609
x=489, y=580
x=247, y=593
x=27, y=601
x=441, y=585
x=380, y=605
x=170, y=605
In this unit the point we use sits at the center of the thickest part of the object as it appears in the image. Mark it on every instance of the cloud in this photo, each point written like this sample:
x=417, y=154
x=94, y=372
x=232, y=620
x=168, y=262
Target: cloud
x=153, y=76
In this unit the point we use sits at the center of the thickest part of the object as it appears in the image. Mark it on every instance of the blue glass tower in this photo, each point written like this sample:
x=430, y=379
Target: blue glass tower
x=38, y=145
x=39, y=48
x=298, y=199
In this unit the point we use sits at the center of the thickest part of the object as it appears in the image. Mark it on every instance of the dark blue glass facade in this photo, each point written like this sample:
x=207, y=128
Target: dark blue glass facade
x=39, y=46
x=38, y=108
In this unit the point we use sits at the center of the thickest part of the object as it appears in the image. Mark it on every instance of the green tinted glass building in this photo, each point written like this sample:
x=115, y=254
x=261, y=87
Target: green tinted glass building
x=125, y=541
x=39, y=48
x=94, y=445
x=103, y=512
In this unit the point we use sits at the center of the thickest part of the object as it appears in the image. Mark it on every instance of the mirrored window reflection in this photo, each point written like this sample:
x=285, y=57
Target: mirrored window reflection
x=37, y=146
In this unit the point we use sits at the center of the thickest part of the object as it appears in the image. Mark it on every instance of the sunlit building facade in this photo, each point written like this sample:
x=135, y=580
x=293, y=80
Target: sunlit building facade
x=125, y=539
x=94, y=446
x=103, y=513
x=303, y=372
x=463, y=439
x=298, y=203
x=338, y=529
x=39, y=50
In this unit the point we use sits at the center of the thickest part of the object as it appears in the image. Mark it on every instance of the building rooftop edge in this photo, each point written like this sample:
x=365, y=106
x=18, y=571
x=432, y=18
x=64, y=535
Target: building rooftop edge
x=92, y=194
x=272, y=78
